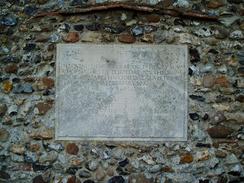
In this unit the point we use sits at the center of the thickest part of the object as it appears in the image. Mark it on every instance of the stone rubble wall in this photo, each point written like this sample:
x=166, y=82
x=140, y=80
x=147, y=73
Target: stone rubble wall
x=214, y=151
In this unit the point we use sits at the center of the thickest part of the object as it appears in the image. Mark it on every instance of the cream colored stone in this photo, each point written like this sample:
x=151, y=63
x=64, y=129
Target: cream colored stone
x=121, y=92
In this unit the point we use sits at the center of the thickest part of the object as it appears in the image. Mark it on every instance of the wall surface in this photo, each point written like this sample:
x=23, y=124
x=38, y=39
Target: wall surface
x=214, y=151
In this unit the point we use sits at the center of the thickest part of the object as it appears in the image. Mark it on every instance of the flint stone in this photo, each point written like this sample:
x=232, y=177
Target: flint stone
x=121, y=92
x=8, y=21
x=23, y=88
x=3, y=109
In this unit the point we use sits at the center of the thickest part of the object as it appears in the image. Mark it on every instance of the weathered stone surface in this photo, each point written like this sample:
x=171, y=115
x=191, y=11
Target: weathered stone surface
x=94, y=26
x=92, y=165
x=42, y=37
x=218, y=117
x=239, y=98
x=153, y=18
x=49, y=157
x=220, y=154
x=72, y=148
x=222, y=81
x=186, y=158
x=8, y=20
x=4, y=176
x=229, y=20
x=147, y=38
x=23, y=88
x=202, y=156
x=110, y=172
x=76, y=161
x=29, y=47
x=78, y=27
x=221, y=33
x=194, y=55
x=42, y=1
x=72, y=37
x=73, y=179
x=91, y=36
x=139, y=178
x=17, y=149
x=34, y=147
x=130, y=94
x=219, y=131
x=88, y=181
x=38, y=179
x=167, y=169
x=45, y=83
x=42, y=134
x=84, y=174
x=126, y=38
x=72, y=170
x=241, y=71
x=7, y=86
x=100, y=174
x=137, y=30
x=43, y=107
x=215, y=4
x=11, y=68
x=3, y=109
x=116, y=179
x=235, y=1
x=167, y=3
x=4, y=135
x=208, y=81
x=194, y=116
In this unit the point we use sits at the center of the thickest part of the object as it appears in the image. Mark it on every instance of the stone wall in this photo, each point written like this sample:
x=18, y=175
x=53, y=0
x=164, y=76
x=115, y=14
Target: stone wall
x=214, y=151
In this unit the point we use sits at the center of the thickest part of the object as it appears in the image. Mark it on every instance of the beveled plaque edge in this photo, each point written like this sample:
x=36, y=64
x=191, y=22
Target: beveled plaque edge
x=119, y=139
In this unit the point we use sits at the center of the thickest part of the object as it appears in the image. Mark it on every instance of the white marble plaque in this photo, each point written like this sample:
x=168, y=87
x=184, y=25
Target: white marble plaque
x=121, y=92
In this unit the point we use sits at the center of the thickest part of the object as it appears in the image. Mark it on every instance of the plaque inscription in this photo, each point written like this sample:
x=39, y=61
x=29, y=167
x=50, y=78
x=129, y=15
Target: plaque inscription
x=121, y=92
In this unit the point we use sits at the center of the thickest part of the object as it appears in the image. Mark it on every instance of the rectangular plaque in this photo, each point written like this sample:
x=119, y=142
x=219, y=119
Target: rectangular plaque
x=121, y=92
